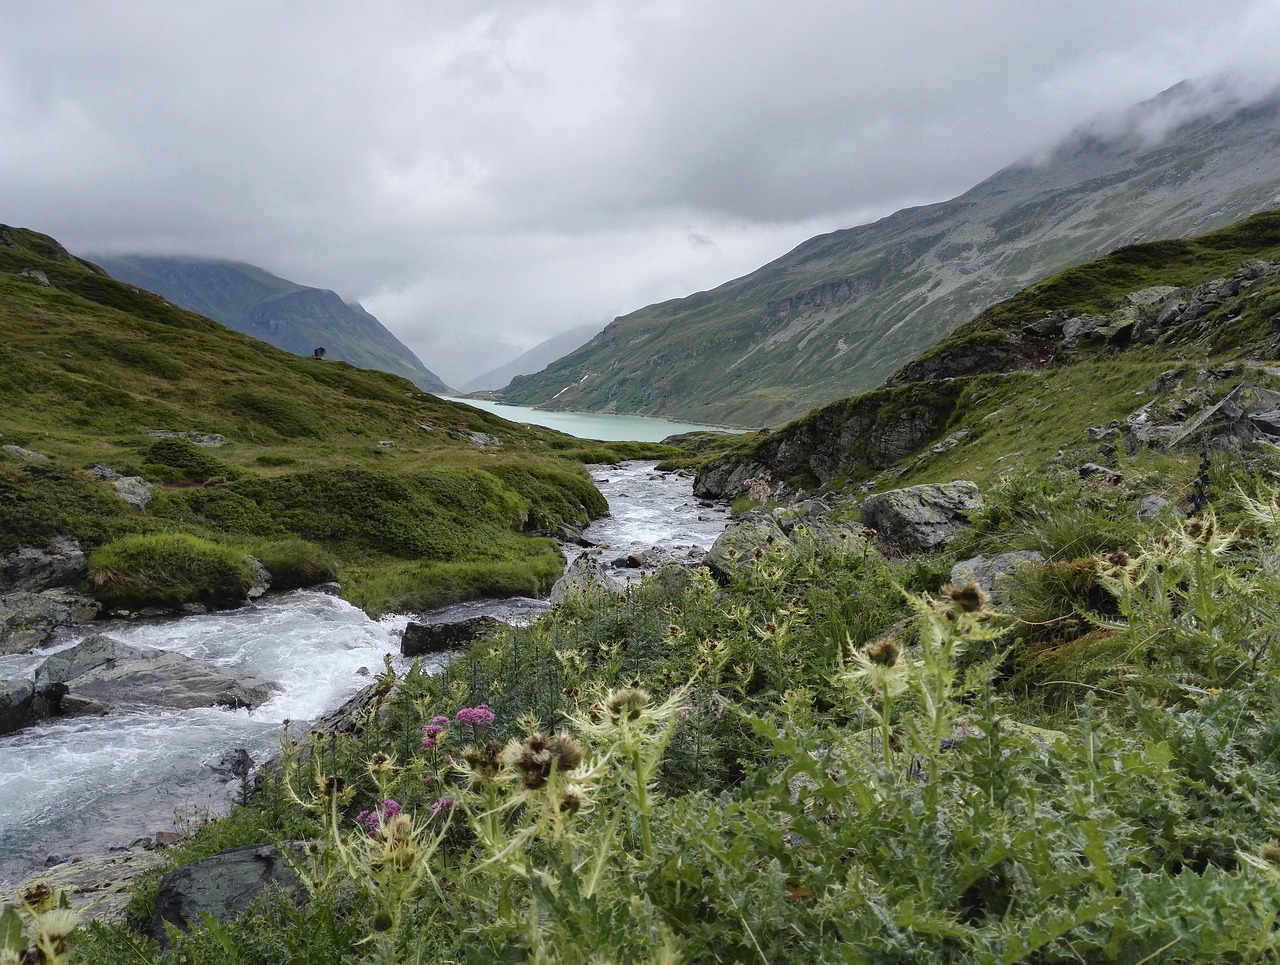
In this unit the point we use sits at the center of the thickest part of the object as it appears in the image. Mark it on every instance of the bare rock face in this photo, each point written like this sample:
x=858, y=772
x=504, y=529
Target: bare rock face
x=994, y=574
x=921, y=518
x=115, y=674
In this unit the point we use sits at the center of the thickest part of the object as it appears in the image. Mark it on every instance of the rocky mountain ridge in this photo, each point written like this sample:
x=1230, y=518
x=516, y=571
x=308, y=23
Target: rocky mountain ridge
x=1063, y=365
x=293, y=317
x=843, y=311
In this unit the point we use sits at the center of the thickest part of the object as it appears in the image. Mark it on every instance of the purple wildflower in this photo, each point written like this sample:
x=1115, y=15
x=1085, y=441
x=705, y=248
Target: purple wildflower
x=373, y=820
x=479, y=716
x=441, y=805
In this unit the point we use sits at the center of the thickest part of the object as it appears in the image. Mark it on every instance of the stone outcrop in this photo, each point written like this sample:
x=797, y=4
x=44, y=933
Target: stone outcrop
x=36, y=568
x=995, y=574
x=586, y=576
x=134, y=490
x=29, y=619
x=115, y=674
x=755, y=536
x=100, y=887
x=921, y=518
x=223, y=886
x=421, y=639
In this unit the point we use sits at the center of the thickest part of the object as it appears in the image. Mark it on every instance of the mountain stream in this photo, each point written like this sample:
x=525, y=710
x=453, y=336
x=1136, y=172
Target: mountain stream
x=87, y=784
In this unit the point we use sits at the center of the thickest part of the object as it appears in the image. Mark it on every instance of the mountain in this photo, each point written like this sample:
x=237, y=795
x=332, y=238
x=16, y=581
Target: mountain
x=169, y=445
x=290, y=316
x=534, y=360
x=842, y=311
x=1135, y=350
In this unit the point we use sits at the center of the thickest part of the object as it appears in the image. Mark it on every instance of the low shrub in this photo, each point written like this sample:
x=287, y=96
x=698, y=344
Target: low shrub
x=168, y=569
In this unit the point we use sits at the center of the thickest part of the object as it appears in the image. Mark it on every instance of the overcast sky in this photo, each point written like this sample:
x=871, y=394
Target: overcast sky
x=483, y=174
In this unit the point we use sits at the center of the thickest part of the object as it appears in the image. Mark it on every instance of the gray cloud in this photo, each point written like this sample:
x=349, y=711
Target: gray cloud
x=484, y=174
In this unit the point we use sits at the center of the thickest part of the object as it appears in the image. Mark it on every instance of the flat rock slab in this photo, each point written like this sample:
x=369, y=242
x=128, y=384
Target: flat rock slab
x=99, y=887
x=36, y=568
x=115, y=674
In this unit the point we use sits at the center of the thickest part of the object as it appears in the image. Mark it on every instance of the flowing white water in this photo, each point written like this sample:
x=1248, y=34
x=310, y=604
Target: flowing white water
x=87, y=784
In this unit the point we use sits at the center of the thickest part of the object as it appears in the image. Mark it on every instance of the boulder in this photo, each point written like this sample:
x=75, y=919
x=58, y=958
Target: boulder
x=16, y=697
x=1244, y=418
x=429, y=638
x=28, y=619
x=745, y=540
x=26, y=454
x=921, y=518
x=134, y=490
x=994, y=574
x=223, y=886
x=117, y=675
x=586, y=576
x=36, y=568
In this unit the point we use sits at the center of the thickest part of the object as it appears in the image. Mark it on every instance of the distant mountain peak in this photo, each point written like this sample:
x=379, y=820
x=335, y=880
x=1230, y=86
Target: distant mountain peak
x=294, y=317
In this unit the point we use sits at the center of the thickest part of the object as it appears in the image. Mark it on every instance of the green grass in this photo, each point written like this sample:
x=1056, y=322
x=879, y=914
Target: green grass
x=89, y=365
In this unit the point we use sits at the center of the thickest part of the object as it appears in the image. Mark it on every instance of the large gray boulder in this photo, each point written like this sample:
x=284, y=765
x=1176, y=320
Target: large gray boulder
x=748, y=539
x=223, y=886
x=587, y=577
x=36, y=568
x=28, y=619
x=921, y=518
x=421, y=639
x=134, y=490
x=115, y=674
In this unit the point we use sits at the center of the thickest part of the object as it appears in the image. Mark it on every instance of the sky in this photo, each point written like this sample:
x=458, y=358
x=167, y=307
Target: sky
x=484, y=174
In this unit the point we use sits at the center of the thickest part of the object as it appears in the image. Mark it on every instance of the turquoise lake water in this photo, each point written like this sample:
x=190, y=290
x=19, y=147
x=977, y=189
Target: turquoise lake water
x=591, y=425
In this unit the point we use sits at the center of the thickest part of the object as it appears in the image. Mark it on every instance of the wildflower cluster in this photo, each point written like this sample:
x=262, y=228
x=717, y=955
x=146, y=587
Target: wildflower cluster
x=381, y=815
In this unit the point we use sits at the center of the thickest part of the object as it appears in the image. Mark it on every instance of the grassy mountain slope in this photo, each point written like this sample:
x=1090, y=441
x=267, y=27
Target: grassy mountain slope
x=290, y=316
x=1004, y=389
x=414, y=500
x=842, y=311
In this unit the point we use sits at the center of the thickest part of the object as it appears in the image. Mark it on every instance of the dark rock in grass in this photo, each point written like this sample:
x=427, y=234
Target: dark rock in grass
x=37, y=568
x=118, y=675
x=29, y=619
x=428, y=638
x=921, y=518
x=223, y=886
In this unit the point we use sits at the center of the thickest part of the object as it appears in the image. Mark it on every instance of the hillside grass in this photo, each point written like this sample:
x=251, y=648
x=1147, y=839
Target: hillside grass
x=365, y=471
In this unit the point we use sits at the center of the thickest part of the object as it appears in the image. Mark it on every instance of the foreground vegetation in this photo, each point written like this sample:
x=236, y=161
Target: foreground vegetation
x=833, y=758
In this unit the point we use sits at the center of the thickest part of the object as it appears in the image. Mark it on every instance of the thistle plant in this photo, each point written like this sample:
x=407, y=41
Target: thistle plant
x=52, y=926
x=883, y=672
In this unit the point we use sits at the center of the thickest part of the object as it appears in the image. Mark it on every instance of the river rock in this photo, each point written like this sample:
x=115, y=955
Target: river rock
x=755, y=536
x=429, y=638
x=587, y=577
x=16, y=697
x=29, y=619
x=921, y=518
x=36, y=568
x=223, y=886
x=118, y=675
